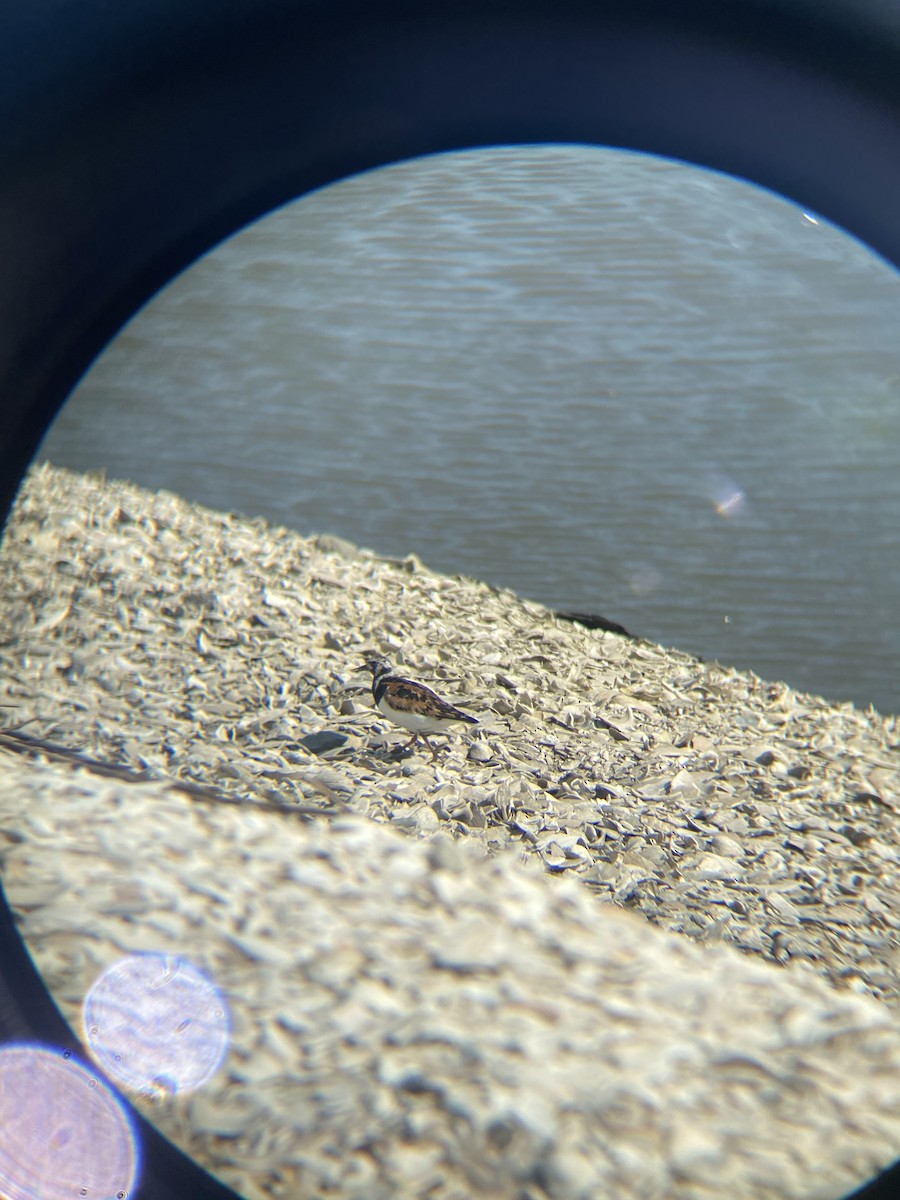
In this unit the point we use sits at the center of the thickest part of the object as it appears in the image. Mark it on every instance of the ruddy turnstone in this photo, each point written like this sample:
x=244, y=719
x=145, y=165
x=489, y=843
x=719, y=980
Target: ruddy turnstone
x=411, y=705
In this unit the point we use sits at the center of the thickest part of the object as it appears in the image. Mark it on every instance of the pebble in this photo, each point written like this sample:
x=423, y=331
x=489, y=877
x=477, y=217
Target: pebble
x=323, y=741
x=711, y=866
x=480, y=752
x=729, y=847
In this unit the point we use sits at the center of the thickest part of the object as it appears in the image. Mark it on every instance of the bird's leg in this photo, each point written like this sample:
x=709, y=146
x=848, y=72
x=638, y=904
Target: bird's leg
x=430, y=747
x=398, y=750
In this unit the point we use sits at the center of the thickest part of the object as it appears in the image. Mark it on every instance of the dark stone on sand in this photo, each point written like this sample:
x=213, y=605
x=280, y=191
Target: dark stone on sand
x=323, y=740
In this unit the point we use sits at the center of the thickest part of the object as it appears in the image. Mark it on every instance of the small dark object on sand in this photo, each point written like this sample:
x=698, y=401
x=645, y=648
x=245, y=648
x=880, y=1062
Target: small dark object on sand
x=594, y=621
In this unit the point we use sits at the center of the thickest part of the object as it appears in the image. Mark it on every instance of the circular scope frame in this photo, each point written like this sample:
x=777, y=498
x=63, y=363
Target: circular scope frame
x=135, y=137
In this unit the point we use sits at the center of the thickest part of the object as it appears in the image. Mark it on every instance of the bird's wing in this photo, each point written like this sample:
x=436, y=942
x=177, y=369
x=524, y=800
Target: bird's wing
x=407, y=696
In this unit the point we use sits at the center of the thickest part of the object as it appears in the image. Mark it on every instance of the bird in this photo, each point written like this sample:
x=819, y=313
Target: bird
x=411, y=705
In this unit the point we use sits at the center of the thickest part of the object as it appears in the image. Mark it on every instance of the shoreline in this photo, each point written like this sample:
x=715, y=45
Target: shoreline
x=759, y=824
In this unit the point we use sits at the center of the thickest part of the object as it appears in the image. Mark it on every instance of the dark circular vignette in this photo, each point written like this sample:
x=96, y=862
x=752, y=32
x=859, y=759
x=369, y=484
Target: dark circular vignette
x=134, y=137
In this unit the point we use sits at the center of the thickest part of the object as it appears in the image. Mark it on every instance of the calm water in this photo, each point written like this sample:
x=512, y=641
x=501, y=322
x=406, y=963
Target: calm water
x=610, y=382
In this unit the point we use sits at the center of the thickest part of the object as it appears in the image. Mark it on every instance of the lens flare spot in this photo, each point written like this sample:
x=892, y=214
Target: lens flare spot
x=729, y=502
x=157, y=1025
x=643, y=579
x=63, y=1133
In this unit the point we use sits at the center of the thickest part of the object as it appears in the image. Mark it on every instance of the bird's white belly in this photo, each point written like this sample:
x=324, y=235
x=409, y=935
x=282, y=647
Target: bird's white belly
x=413, y=721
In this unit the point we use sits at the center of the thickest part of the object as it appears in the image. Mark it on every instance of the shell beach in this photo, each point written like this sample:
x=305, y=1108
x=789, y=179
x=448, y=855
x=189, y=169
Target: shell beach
x=635, y=933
